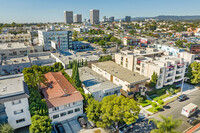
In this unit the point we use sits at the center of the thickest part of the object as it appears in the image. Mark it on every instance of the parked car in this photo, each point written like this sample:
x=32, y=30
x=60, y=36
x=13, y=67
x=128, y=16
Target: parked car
x=182, y=97
x=59, y=128
x=193, y=120
x=82, y=121
x=125, y=128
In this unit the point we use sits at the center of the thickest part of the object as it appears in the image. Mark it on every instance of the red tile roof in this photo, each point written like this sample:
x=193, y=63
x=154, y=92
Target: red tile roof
x=60, y=90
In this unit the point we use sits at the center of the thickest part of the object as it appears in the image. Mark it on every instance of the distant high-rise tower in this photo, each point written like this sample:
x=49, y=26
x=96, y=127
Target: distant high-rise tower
x=111, y=19
x=68, y=17
x=77, y=18
x=128, y=19
x=104, y=18
x=94, y=16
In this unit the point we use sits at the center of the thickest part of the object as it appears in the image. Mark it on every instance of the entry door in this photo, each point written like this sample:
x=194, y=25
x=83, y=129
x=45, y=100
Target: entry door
x=111, y=78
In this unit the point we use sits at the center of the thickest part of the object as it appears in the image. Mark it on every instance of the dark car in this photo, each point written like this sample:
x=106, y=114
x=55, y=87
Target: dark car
x=82, y=121
x=182, y=97
x=59, y=128
x=192, y=120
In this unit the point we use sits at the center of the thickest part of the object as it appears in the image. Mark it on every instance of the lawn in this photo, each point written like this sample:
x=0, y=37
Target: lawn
x=157, y=97
x=154, y=111
x=145, y=103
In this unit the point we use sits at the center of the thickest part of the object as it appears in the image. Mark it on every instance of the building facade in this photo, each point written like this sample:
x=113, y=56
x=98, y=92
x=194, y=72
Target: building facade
x=63, y=100
x=62, y=37
x=15, y=38
x=77, y=18
x=94, y=16
x=14, y=106
x=130, y=81
x=68, y=17
x=111, y=19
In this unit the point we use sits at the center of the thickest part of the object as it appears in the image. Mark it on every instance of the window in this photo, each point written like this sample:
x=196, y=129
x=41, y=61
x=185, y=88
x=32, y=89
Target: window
x=56, y=108
x=63, y=114
x=74, y=103
x=70, y=112
x=18, y=111
x=55, y=116
x=16, y=102
x=67, y=105
x=77, y=110
x=20, y=120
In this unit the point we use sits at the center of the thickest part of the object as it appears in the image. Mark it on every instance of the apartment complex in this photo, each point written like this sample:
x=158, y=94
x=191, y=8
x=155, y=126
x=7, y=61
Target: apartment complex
x=126, y=59
x=63, y=39
x=14, y=106
x=170, y=70
x=63, y=100
x=94, y=16
x=14, y=38
x=77, y=18
x=68, y=17
x=130, y=81
x=95, y=84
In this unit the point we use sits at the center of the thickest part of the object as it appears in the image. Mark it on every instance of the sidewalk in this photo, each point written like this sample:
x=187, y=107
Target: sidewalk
x=186, y=91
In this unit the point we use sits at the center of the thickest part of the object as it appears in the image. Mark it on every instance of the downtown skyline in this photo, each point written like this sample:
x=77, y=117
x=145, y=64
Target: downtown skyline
x=22, y=11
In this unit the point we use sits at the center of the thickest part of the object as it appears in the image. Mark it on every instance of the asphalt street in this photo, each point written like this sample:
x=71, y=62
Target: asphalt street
x=176, y=108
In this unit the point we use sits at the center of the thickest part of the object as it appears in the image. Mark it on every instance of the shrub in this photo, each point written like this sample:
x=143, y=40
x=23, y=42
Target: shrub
x=160, y=102
x=151, y=92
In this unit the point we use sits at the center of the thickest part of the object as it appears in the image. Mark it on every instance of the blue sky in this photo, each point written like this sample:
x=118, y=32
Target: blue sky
x=53, y=10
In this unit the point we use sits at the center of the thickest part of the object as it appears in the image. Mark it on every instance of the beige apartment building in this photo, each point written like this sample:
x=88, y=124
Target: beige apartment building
x=126, y=59
x=14, y=38
x=130, y=81
x=169, y=69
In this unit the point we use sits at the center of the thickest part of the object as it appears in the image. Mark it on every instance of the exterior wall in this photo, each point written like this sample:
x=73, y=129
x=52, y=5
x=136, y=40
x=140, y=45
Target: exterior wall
x=195, y=48
x=125, y=61
x=94, y=16
x=68, y=17
x=66, y=108
x=21, y=51
x=14, y=38
x=187, y=56
x=45, y=38
x=12, y=118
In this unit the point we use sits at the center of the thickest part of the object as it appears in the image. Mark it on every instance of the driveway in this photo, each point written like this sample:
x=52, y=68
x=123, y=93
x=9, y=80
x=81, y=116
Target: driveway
x=176, y=108
x=71, y=125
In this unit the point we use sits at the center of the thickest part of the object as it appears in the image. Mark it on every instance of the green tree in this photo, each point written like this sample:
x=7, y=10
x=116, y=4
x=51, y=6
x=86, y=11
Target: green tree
x=104, y=50
x=154, y=105
x=40, y=124
x=166, y=125
x=179, y=43
x=86, y=63
x=57, y=66
x=102, y=43
x=153, y=80
x=194, y=73
x=75, y=74
x=113, y=109
x=6, y=128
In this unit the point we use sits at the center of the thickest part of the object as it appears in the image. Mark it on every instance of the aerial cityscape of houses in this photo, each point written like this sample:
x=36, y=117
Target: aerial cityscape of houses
x=93, y=76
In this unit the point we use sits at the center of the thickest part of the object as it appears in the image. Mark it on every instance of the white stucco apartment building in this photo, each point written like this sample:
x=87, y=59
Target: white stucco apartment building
x=63, y=100
x=14, y=106
x=14, y=38
x=95, y=84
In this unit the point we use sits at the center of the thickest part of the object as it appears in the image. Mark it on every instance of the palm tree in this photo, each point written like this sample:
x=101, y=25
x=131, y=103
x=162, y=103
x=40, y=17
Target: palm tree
x=167, y=125
x=6, y=128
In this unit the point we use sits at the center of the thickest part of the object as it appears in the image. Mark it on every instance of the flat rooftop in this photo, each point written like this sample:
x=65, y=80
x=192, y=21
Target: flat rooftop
x=66, y=58
x=92, y=80
x=13, y=45
x=11, y=85
x=120, y=72
x=10, y=60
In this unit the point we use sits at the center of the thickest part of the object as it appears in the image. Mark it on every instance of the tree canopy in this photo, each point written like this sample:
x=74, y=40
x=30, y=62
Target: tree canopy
x=194, y=73
x=112, y=110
